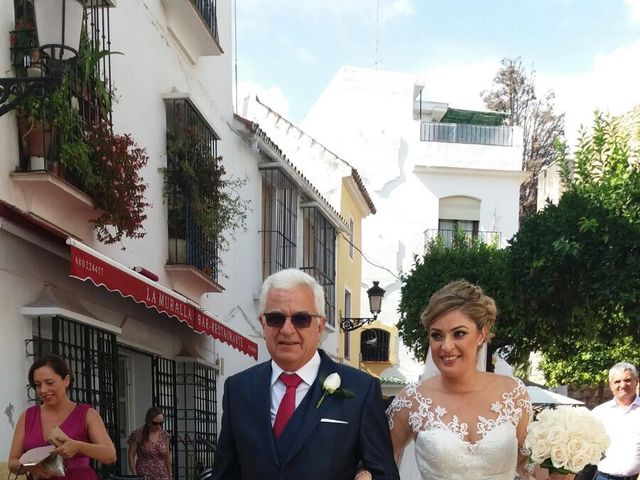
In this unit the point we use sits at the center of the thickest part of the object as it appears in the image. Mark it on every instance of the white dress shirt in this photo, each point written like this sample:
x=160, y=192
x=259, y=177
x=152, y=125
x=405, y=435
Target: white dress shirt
x=623, y=427
x=308, y=373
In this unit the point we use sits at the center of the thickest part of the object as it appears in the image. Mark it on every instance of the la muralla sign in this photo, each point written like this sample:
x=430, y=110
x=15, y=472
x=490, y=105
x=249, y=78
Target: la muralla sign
x=117, y=278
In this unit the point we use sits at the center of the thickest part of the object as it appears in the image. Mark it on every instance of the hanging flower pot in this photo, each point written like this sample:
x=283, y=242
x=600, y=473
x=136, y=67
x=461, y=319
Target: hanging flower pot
x=35, y=140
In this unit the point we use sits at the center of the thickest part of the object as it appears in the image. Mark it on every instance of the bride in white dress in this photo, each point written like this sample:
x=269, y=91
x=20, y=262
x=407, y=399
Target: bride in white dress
x=466, y=423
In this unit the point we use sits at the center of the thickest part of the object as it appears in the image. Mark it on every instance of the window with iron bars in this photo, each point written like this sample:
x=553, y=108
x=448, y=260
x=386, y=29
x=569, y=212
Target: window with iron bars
x=374, y=345
x=319, y=255
x=193, y=168
x=92, y=357
x=279, y=221
x=197, y=418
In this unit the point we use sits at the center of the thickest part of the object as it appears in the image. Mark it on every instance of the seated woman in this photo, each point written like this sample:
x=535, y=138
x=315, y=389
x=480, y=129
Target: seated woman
x=87, y=436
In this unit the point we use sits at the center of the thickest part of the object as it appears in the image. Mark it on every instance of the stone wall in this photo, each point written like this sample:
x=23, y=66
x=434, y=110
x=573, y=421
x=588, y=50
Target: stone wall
x=592, y=395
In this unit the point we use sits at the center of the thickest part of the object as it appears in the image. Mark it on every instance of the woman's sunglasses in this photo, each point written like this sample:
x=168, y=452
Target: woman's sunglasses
x=299, y=319
x=157, y=424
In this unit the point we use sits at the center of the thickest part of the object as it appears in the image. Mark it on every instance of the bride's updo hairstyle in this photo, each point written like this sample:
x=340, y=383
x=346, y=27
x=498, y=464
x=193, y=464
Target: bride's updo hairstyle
x=464, y=296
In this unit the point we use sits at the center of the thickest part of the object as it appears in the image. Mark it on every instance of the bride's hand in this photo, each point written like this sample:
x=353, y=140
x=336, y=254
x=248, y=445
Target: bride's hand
x=562, y=476
x=363, y=475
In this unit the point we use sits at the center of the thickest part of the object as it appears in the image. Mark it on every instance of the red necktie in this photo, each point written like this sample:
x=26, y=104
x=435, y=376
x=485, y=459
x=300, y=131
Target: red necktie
x=287, y=404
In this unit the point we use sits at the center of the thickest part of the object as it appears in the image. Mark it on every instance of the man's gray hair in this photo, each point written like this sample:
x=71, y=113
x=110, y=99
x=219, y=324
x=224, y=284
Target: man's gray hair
x=289, y=279
x=622, y=367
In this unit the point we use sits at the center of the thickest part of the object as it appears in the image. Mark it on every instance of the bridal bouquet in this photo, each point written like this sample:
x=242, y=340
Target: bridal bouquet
x=566, y=439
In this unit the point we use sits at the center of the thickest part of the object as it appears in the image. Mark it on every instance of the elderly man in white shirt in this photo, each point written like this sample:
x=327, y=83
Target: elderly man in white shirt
x=621, y=419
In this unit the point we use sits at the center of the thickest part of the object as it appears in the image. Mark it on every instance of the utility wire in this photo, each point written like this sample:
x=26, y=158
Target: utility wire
x=346, y=239
x=235, y=53
x=377, y=62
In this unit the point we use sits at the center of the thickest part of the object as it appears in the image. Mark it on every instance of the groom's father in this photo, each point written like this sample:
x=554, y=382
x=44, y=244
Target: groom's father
x=282, y=419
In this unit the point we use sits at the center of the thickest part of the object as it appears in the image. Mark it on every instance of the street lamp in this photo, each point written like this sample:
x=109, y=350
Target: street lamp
x=58, y=25
x=375, y=295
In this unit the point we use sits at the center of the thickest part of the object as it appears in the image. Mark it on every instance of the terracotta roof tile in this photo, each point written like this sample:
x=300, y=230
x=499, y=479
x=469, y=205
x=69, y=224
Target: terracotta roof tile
x=254, y=128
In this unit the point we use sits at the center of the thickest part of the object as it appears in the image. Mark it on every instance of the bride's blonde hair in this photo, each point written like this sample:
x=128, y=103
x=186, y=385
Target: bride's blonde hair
x=464, y=296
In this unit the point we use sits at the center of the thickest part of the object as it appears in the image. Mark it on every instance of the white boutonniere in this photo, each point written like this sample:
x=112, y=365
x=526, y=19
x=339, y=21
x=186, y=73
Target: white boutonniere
x=331, y=386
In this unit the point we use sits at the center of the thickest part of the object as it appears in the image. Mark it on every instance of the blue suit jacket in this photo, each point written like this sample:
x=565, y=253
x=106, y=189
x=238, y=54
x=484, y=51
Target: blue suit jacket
x=317, y=450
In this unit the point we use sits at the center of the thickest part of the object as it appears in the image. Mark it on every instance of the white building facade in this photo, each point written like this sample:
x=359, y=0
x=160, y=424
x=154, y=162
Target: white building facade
x=431, y=170
x=160, y=320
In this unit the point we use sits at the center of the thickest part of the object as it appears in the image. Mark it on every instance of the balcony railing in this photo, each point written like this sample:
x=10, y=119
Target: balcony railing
x=191, y=151
x=449, y=238
x=467, y=134
x=188, y=245
x=207, y=10
x=194, y=24
x=52, y=131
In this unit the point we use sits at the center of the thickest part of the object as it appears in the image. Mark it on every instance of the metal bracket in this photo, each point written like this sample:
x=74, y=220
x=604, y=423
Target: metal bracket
x=350, y=324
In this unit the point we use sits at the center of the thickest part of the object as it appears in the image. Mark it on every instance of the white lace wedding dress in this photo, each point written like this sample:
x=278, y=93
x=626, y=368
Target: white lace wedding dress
x=442, y=453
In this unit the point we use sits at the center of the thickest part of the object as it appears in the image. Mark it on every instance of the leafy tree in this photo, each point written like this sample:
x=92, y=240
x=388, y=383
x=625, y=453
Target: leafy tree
x=514, y=92
x=590, y=363
x=471, y=259
x=575, y=267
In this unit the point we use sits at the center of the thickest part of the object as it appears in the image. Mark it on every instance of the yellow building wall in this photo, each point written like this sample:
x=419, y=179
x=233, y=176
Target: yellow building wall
x=349, y=274
x=349, y=278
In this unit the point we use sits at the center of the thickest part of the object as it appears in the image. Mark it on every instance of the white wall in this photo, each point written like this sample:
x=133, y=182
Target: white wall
x=366, y=117
x=152, y=67
x=459, y=155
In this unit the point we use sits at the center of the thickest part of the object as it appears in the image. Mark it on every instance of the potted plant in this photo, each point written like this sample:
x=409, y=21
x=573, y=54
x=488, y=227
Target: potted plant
x=35, y=136
x=198, y=190
x=35, y=133
x=51, y=133
x=90, y=89
x=75, y=140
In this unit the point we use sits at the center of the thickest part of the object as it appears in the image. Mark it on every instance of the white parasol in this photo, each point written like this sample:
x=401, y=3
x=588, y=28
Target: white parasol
x=543, y=396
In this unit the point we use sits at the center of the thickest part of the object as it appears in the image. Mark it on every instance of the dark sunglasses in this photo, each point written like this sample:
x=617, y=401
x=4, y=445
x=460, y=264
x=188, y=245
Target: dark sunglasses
x=299, y=319
x=157, y=424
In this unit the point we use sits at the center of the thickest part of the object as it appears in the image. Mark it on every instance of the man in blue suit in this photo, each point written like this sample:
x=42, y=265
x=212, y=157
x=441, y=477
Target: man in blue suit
x=284, y=419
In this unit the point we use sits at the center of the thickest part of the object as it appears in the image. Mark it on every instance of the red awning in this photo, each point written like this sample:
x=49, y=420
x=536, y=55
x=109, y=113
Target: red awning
x=88, y=264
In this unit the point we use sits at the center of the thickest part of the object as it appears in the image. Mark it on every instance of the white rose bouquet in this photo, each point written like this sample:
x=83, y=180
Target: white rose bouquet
x=566, y=439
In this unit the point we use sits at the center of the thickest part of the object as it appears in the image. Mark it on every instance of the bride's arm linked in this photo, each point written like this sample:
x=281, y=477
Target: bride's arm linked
x=522, y=400
x=398, y=415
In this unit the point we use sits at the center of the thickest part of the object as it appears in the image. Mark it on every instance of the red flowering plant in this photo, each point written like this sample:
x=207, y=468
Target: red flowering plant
x=119, y=190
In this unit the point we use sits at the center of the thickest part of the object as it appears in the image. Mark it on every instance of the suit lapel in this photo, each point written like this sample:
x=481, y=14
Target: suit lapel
x=262, y=395
x=313, y=413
